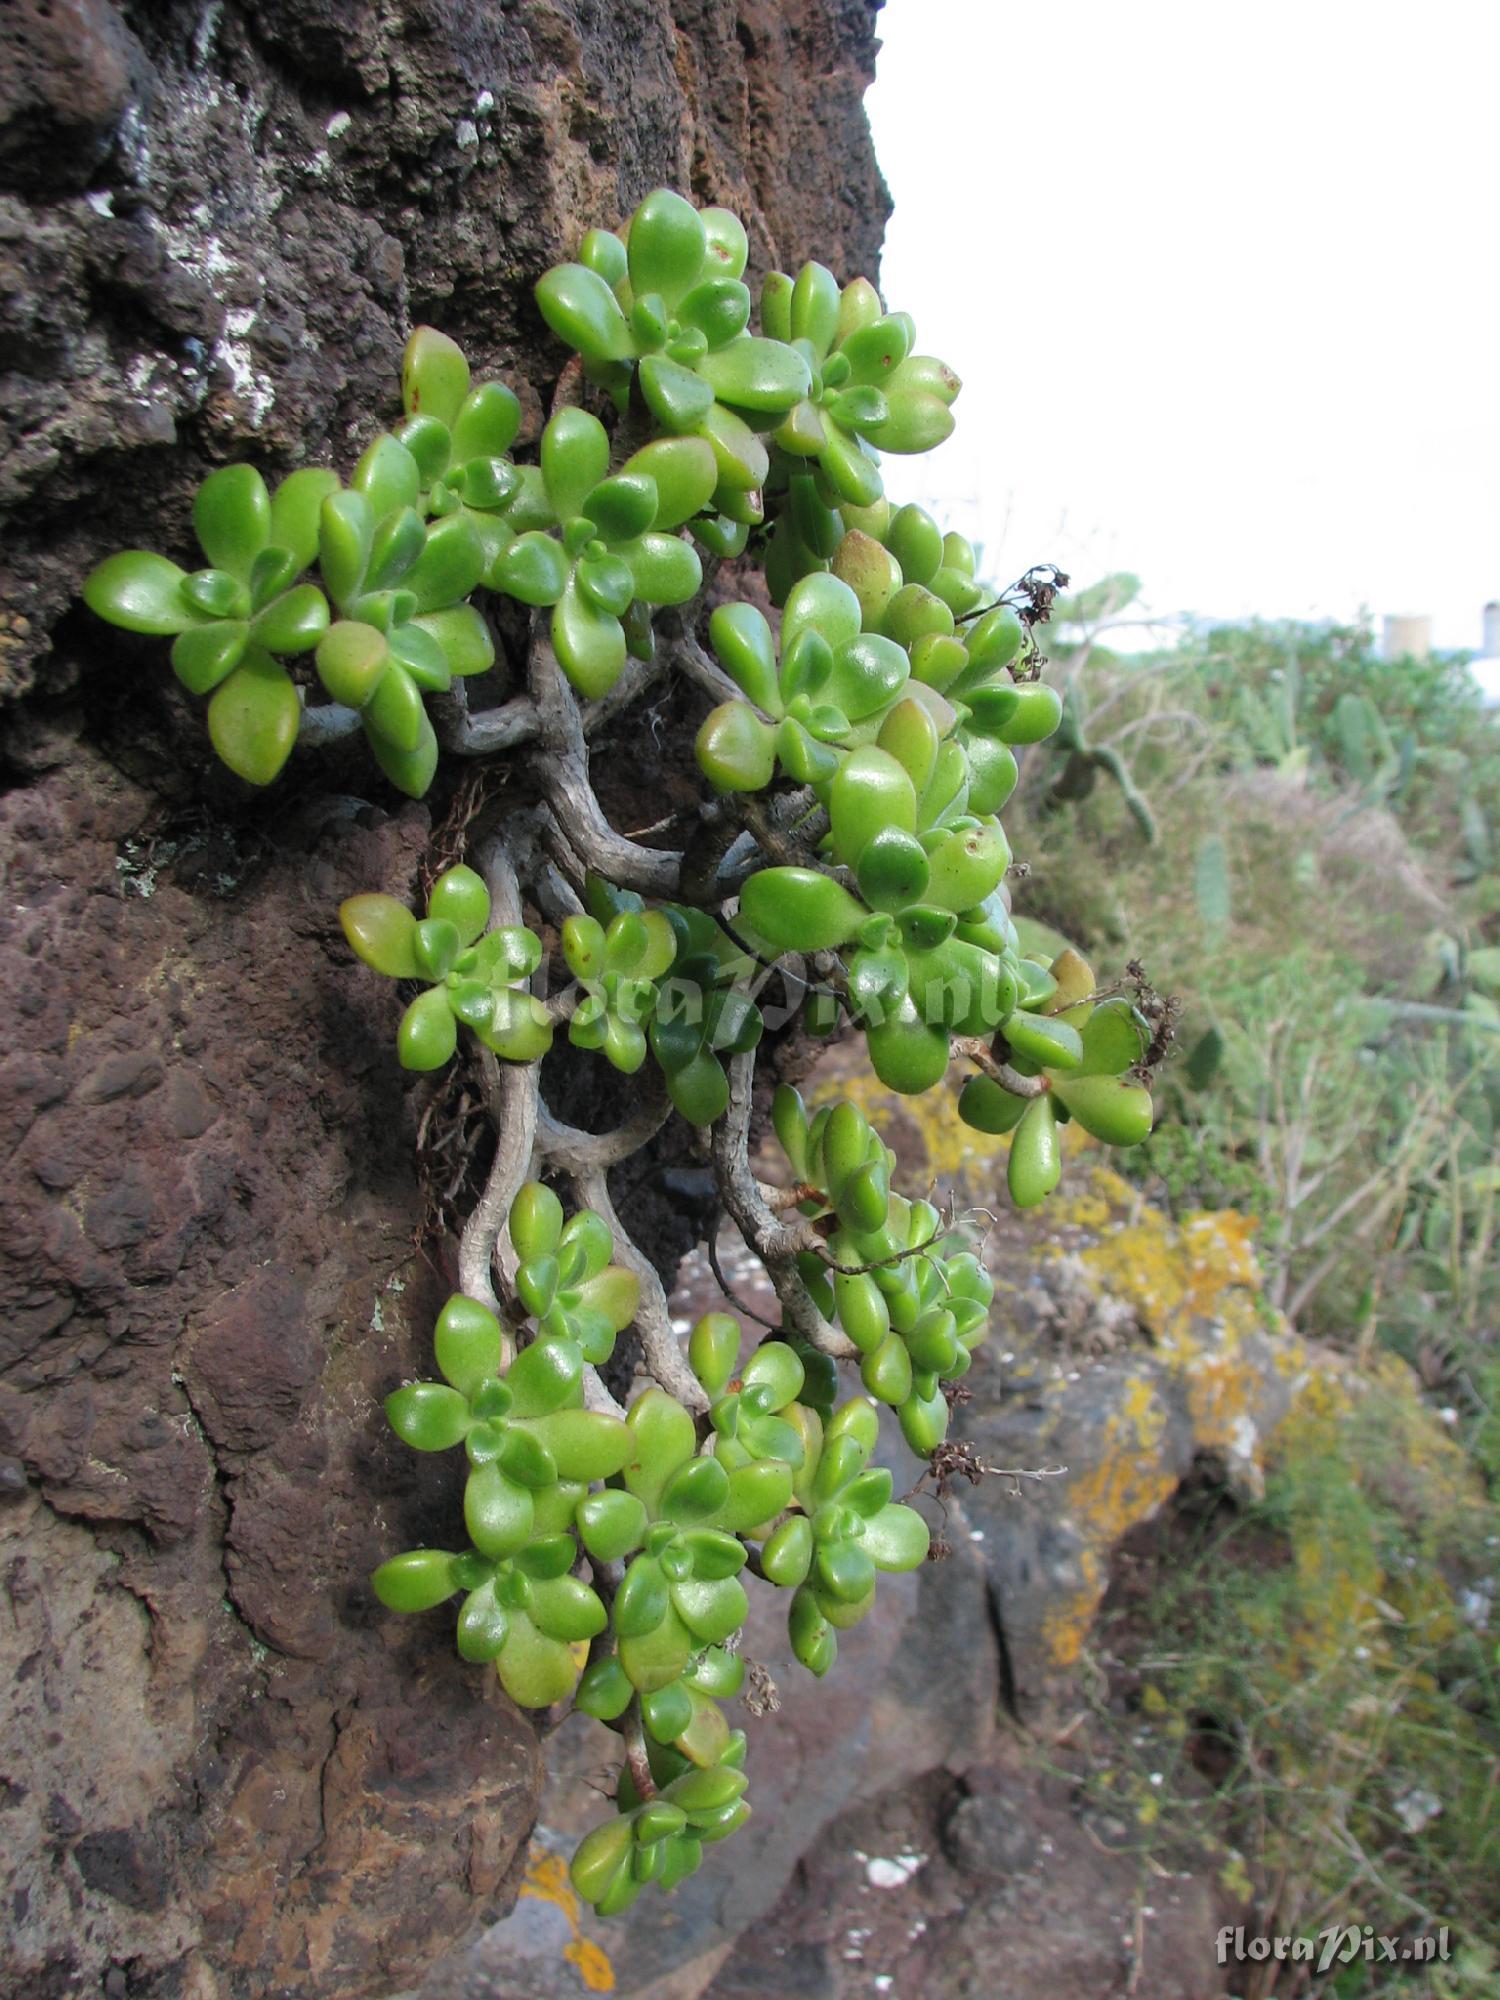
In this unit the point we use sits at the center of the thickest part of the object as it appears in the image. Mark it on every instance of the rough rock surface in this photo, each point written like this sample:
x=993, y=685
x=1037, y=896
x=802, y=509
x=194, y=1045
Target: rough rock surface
x=221, y=1772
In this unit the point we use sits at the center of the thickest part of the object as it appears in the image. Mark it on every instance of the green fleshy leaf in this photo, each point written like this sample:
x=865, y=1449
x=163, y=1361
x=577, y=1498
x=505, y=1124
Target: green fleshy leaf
x=566, y=1608
x=450, y=565
x=232, y=518
x=1035, y=1164
x=141, y=592
x=387, y=475
x=799, y=909
x=1111, y=1109
x=483, y=1625
x=666, y=245
x=254, y=717
x=590, y=644
x=296, y=507
x=394, y=711
x=351, y=661
x=575, y=458
x=665, y=1438
x=434, y=375
x=428, y=1034
x=545, y=1378
x=382, y=932
x=415, y=1581
x=583, y=312
x=428, y=1416
x=586, y=1444
x=467, y=1341
x=684, y=473
x=678, y=398
x=498, y=1513
x=205, y=655
x=655, y=1658
x=665, y=568
x=486, y=424
x=346, y=533
x=535, y=1671
x=462, y=636
x=459, y=897
x=759, y=375
x=293, y=622
x=736, y=751
x=896, y=1538
x=611, y=1524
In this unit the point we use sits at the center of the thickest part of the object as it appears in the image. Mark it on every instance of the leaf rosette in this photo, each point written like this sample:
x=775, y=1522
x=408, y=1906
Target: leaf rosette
x=666, y=309
x=230, y=621
x=473, y=976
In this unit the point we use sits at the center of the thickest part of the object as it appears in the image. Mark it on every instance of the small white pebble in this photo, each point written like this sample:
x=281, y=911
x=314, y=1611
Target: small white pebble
x=892, y=1874
x=1156, y=1777
x=1449, y=1416
x=883, y=1982
x=485, y=101
x=338, y=124
x=976, y=1534
x=102, y=203
x=466, y=135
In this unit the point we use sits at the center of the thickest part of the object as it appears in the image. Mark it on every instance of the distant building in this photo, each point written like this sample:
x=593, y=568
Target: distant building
x=1406, y=638
x=1485, y=666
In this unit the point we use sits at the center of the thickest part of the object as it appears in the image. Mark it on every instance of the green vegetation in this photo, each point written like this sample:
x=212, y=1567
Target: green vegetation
x=1295, y=836
x=1317, y=1709
x=1324, y=821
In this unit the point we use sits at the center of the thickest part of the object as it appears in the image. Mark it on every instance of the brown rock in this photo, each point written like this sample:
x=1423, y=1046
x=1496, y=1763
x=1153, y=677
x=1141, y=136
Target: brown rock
x=226, y=1775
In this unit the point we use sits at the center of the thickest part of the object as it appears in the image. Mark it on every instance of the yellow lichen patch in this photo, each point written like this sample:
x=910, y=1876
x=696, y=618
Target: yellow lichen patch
x=1172, y=1273
x=547, y=1879
x=1194, y=1287
x=1124, y=1486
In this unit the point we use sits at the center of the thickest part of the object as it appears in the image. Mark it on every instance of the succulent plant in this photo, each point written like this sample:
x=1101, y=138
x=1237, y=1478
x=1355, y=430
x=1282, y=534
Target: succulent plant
x=474, y=976
x=231, y=620
x=618, y=967
x=858, y=774
x=1083, y=1055
x=702, y=1016
x=666, y=307
x=610, y=551
x=848, y=1530
x=830, y=679
x=908, y=1292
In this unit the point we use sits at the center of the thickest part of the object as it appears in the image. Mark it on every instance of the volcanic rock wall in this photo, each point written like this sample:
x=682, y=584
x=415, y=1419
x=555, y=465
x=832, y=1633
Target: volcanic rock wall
x=222, y=1772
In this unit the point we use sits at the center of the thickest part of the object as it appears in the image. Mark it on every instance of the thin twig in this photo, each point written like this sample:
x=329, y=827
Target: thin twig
x=983, y=1057
x=777, y=1244
x=577, y=1151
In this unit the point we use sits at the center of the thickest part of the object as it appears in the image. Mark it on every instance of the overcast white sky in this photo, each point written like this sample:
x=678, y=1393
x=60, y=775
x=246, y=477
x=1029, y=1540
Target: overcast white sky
x=1223, y=284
